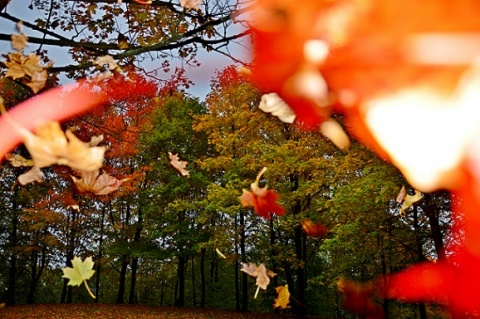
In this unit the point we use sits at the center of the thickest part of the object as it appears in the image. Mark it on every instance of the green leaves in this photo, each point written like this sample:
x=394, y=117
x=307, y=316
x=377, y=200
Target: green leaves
x=81, y=272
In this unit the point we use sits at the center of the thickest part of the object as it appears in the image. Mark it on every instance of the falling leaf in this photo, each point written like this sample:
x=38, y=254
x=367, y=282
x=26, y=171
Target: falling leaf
x=96, y=183
x=272, y=103
x=335, y=133
x=283, y=298
x=410, y=200
x=401, y=195
x=81, y=272
x=37, y=81
x=260, y=272
x=262, y=200
x=17, y=160
x=313, y=229
x=50, y=145
x=178, y=164
x=35, y=174
x=108, y=60
x=220, y=253
x=19, y=41
x=358, y=298
x=95, y=140
x=191, y=4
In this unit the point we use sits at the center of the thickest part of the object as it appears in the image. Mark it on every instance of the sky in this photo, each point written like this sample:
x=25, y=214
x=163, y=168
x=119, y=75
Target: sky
x=200, y=76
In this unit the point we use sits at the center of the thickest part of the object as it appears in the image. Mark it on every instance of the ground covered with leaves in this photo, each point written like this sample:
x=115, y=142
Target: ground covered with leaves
x=105, y=311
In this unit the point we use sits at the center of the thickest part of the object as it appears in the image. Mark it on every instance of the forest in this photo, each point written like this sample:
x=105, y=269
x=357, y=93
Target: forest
x=334, y=175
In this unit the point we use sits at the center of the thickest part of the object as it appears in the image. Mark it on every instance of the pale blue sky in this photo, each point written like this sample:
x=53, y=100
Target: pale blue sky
x=201, y=76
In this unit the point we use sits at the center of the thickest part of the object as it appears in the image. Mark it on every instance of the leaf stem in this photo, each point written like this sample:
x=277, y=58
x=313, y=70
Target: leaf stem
x=89, y=291
x=256, y=292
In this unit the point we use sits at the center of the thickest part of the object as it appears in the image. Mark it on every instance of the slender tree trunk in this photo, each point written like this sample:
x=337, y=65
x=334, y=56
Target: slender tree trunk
x=67, y=295
x=180, y=301
x=300, y=308
x=436, y=232
x=123, y=279
x=194, y=292
x=243, y=256
x=12, y=272
x=420, y=257
x=132, y=297
x=100, y=255
x=238, y=306
x=37, y=269
x=202, y=277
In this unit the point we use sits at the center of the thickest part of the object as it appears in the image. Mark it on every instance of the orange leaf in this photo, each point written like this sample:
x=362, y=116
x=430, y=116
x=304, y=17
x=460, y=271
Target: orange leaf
x=262, y=200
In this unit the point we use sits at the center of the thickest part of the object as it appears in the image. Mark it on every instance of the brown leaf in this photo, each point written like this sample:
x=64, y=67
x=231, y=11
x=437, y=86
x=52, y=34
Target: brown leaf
x=96, y=183
x=19, y=41
x=37, y=81
x=50, y=145
x=178, y=165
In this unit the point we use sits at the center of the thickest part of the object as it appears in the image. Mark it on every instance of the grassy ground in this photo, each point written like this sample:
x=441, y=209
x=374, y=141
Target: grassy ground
x=108, y=311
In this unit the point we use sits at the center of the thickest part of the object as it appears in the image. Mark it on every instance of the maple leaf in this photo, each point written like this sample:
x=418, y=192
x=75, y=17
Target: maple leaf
x=79, y=273
x=35, y=174
x=50, y=145
x=108, y=60
x=410, y=200
x=260, y=272
x=272, y=103
x=96, y=183
x=313, y=229
x=37, y=81
x=262, y=200
x=19, y=41
x=191, y=4
x=178, y=164
x=283, y=298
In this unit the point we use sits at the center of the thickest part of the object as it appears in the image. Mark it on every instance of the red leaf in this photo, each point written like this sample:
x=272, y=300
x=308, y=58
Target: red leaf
x=263, y=200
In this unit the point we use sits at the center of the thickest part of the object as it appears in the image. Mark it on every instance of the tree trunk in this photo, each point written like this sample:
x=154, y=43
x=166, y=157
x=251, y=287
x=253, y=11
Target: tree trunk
x=123, y=279
x=71, y=222
x=132, y=297
x=300, y=306
x=100, y=255
x=243, y=257
x=12, y=273
x=420, y=257
x=202, y=277
x=180, y=301
x=436, y=232
x=194, y=292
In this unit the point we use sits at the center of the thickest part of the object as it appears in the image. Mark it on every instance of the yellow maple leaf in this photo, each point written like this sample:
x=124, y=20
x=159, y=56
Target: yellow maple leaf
x=283, y=298
x=80, y=272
